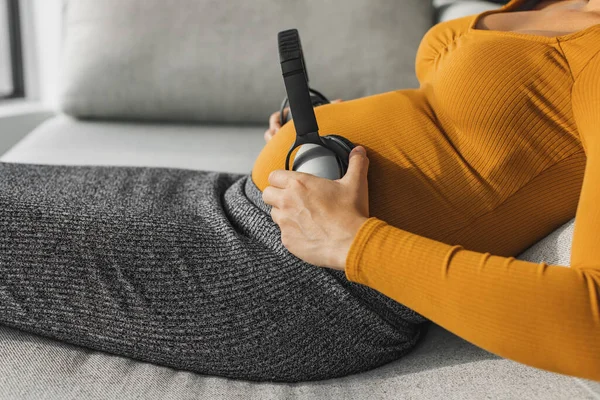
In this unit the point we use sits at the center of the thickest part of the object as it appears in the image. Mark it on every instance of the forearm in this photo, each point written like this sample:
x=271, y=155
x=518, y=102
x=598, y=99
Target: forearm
x=537, y=314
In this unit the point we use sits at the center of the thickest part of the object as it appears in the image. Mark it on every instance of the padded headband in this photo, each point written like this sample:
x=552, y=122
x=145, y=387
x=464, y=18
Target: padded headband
x=295, y=79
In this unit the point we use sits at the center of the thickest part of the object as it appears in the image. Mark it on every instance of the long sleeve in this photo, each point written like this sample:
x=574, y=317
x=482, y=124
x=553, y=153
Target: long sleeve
x=545, y=316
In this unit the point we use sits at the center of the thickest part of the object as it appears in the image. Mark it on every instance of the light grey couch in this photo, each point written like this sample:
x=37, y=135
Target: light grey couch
x=190, y=84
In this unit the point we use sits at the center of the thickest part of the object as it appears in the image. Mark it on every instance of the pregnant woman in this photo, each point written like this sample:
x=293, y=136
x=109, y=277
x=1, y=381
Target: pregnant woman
x=283, y=276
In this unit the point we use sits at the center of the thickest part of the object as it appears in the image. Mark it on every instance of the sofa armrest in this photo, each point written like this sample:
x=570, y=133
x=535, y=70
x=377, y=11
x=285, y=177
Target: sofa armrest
x=17, y=119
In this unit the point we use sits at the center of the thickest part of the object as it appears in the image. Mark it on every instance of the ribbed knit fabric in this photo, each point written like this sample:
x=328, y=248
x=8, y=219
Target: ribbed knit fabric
x=185, y=269
x=498, y=147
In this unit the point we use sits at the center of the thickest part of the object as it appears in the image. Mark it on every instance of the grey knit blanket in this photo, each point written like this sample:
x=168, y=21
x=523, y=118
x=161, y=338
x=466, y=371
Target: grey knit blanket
x=185, y=269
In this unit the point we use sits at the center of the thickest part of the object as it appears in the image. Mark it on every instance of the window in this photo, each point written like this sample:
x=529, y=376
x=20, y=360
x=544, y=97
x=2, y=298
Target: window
x=11, y=68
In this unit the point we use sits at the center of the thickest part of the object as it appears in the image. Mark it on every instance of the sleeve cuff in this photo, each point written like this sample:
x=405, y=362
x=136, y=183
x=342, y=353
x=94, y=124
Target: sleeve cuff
x=352, y=267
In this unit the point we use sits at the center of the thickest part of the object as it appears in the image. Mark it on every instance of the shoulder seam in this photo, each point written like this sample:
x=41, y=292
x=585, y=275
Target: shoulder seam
x=581, y=138
x=558, y=43
x=584, y=67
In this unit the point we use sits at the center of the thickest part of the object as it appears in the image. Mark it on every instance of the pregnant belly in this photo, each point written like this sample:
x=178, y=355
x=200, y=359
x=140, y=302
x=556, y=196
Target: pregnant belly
x=373, y=122
x=404, y=146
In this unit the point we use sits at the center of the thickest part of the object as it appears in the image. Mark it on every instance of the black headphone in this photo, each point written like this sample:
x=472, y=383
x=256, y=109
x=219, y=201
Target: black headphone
x=316, y=98
x=302, y=99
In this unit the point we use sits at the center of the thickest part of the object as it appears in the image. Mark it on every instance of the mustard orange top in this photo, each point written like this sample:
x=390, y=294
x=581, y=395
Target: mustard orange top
x=498, y=147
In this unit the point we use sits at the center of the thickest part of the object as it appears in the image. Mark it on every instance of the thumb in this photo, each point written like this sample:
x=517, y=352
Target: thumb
x=358, y=166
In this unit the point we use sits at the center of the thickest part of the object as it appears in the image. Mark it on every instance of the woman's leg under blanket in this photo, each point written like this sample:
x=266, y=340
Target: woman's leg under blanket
x=181, y=268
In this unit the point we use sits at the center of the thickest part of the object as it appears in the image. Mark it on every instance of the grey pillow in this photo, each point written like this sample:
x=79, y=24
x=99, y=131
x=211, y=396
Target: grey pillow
x=217, y=61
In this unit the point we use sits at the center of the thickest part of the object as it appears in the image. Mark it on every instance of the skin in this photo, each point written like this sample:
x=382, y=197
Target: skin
x=576, y=5
x=319, y=218
x=547, y=18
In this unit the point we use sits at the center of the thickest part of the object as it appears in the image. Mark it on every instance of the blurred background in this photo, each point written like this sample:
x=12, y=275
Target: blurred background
x=30, y=32
x=32, y=44
x=30, y=37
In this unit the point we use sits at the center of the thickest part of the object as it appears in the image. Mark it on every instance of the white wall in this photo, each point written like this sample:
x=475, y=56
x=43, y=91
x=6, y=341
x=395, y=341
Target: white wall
x=6, y=86
x=42, y=32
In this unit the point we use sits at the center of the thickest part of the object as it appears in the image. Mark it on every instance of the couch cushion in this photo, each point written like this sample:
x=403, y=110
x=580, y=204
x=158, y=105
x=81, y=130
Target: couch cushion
x=64, y=140
x=213, y=60
x=443, y=366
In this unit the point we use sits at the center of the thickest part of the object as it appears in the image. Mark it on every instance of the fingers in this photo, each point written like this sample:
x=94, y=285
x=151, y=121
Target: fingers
x=275, y=119
x=275, y=215
x=279, y=178
x=337, y=101
x=268, y=135
x=272, y=196
x=358, y=165
x=282, y=178
x=275, y=124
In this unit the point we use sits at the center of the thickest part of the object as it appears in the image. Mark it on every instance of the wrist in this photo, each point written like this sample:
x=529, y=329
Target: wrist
x=344, y=248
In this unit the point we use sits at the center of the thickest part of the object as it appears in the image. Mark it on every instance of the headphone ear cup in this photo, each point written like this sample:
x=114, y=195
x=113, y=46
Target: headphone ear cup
x=342, y=148
x=349, y=145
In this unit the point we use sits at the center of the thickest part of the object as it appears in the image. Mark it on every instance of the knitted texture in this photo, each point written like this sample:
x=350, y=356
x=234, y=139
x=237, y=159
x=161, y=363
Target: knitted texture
x=185, y=269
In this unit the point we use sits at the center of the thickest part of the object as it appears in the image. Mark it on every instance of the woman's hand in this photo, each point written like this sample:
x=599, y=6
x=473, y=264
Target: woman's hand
x=275, y=121
x=319, y=217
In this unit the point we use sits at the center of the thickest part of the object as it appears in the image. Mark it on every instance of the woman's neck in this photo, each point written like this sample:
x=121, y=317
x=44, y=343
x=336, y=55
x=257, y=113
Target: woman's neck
x=592, y=6
x=577, y=5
